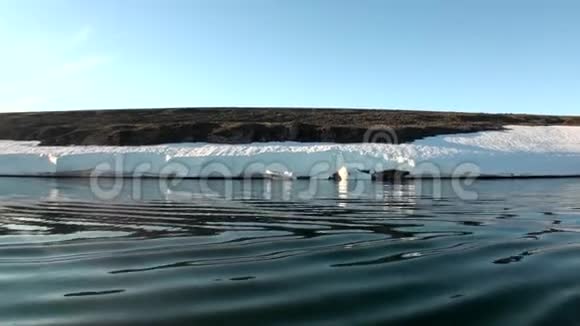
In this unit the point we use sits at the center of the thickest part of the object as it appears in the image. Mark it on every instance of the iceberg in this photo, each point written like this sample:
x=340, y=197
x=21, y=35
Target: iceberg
x=517, y=151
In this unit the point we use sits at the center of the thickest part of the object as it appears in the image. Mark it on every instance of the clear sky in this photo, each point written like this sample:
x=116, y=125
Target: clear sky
x=462, y=55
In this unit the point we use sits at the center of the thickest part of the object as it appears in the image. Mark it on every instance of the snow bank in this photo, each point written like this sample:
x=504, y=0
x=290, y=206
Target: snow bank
x=518, y=151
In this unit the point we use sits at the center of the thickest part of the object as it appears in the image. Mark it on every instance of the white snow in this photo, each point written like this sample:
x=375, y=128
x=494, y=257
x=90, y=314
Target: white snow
x=517, y=151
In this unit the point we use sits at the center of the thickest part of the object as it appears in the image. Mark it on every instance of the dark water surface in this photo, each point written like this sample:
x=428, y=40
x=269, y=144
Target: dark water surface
x=264, y=253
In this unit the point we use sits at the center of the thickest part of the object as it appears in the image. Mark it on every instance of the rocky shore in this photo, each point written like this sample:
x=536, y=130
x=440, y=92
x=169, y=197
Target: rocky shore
x=245, y=125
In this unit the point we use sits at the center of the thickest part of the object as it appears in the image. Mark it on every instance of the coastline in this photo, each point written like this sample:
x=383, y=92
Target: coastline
x=137, y=127
x=515, y=151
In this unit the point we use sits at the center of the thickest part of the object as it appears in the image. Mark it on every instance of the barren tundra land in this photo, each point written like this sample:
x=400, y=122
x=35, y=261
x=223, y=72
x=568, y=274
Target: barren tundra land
x=245, y=125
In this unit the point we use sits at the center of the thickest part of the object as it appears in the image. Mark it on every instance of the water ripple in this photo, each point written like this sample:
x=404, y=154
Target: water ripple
x=509, y=258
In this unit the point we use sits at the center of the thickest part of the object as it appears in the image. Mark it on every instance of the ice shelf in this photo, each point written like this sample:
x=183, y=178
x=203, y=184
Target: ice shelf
x=516, y=151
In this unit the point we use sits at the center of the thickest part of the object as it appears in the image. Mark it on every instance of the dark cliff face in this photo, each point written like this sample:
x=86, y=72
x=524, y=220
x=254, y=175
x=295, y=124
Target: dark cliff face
x=245, y=125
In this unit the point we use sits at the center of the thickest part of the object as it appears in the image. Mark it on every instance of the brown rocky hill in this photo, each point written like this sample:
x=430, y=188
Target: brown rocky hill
x=244, y=125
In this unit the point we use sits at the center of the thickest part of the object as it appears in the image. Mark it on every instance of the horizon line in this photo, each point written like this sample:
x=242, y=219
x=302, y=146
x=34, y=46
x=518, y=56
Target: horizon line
x=368, y=108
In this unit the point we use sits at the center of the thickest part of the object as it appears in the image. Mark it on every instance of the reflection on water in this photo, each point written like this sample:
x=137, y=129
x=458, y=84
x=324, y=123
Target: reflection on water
x=342, y=192
x=274, y=251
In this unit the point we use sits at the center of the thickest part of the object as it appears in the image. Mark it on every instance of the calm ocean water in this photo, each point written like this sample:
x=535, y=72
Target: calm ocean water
x=263, y=252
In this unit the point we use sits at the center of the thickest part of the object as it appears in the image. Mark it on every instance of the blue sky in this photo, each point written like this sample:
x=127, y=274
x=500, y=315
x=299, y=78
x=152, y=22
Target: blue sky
x=461, y=55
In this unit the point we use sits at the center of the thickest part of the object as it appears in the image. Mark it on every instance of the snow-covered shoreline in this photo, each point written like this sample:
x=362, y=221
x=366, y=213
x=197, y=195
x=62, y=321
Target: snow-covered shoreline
x=519, y=151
